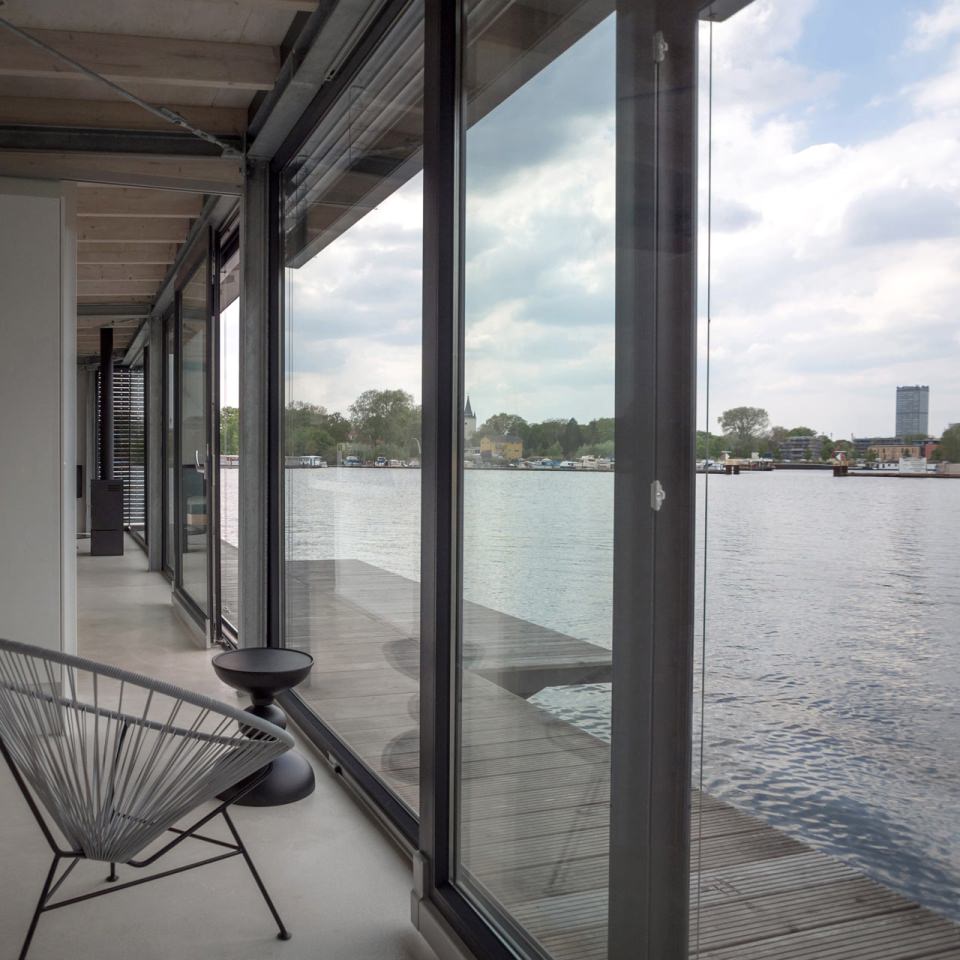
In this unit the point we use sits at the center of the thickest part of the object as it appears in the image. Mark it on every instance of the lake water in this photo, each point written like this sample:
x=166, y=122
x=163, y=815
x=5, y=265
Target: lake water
x=832, y=634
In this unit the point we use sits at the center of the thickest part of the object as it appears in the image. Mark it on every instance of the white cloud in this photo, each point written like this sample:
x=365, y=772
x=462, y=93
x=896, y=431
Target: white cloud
x=848, y=281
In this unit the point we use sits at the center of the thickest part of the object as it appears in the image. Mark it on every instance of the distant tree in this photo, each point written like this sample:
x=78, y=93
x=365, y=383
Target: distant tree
x=572, y=438
x=827, y=446
x=309, y=430
x=384, y=421
x=775, y=439
x=744, y=427
x=937, y=454
x=801, y=432
x=229, y=431
x=709, y=445
x=501, y=423
x=870, y=456
x=950, y=444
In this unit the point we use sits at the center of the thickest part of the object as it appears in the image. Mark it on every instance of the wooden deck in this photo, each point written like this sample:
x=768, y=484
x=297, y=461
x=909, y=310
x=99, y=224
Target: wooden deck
x=535, y=790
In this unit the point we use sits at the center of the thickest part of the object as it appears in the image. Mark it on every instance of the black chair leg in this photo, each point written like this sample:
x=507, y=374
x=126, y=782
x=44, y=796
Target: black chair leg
x=284, y=934
x=113, y=877
x=40, y=905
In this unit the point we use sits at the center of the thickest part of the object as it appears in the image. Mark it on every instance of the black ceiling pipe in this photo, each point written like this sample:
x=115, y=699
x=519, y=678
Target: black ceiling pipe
x=106, y=403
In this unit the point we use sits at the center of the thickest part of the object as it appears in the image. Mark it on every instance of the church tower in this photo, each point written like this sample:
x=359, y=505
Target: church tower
x=469, y=421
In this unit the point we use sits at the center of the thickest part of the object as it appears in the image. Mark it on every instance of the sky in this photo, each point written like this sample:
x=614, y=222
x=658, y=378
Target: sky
x=835, y=240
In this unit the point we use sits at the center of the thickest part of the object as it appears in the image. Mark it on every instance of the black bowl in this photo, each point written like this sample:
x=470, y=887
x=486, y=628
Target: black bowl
x=263, y=672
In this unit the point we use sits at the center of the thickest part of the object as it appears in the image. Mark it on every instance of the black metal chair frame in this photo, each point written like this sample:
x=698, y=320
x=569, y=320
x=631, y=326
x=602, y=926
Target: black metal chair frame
x=51, y=886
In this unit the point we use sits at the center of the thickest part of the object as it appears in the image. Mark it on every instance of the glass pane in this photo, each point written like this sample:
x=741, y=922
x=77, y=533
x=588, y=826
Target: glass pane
x=830, y=761
x=169, y=443
x=353, y=226
x=229, y=439
x=194, y=321
x=538, y=482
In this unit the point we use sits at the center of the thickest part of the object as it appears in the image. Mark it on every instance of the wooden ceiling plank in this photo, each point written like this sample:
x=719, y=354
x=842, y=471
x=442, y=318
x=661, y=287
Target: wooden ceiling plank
x=214, y=175
x=126, y=253
x=193, y=63
x=131, y=230
x=110, y=115
x=136, y=202
x=112, y=298
x=88, y=272
x=119, y=288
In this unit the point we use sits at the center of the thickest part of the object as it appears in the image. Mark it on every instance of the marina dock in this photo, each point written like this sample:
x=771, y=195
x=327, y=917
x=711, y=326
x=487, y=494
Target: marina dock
x=535, y=789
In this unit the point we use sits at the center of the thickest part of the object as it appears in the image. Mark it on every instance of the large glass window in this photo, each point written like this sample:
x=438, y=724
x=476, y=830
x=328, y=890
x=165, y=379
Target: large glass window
x=193, y=447
x=829, y=768
x=229, y=415
x=353, y=210
x=538, y=474
x=169, y=443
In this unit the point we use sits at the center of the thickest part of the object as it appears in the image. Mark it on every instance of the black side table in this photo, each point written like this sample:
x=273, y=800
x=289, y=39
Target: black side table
x=263, y=672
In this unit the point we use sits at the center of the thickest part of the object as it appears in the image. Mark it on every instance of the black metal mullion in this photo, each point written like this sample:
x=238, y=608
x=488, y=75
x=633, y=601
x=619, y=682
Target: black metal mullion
x=653, y=541
x=442, y=322
x=276, y=392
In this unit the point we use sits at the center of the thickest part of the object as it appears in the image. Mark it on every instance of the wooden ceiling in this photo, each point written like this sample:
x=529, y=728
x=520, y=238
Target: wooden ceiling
x=142, y=182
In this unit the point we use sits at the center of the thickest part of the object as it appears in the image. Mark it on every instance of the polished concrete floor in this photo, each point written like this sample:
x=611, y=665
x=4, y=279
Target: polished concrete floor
x=342, y=887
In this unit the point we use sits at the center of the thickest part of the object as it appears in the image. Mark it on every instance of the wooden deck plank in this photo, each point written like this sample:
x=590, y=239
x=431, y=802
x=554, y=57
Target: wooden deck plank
x=534, y=805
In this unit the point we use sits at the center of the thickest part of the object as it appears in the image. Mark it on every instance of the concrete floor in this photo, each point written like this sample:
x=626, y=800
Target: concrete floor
x=341, y=885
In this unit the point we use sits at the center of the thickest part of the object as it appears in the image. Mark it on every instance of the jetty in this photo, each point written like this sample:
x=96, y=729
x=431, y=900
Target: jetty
x=535, y=790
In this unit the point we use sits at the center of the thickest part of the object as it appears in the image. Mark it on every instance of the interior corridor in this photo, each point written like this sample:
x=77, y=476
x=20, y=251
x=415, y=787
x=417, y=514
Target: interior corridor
x=341, y=885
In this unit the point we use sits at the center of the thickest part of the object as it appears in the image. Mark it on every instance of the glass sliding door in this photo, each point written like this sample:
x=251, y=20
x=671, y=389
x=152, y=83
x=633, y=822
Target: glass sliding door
x=193, y=450
x=169, y=443
x=352, y=223
x=828, y=679
x=539, y=453
x=228, y=410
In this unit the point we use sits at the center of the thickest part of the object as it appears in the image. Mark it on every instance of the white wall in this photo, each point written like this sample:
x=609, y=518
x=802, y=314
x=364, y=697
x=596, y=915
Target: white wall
x=38, y=398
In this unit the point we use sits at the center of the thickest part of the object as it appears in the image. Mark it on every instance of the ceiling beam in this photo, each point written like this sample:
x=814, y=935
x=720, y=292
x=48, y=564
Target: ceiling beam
x=165, y=143
x=214, y=175
x=291, y=6
x=86, y=324
x=126, y=253
x=122, y=58
x=125, y=230
x=108, y=300
x=136, y=202
x=117, y=288
x=89, y=272
x=113, y=310
x=111, y=115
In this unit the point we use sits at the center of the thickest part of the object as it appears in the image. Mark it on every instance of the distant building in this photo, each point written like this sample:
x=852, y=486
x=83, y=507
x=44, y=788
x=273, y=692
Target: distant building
x=507, y=446
x=800, y=448
x=469, y=422
x=913, y=411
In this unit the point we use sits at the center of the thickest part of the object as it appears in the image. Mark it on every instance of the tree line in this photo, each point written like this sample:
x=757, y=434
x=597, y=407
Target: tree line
x=747, y=430
x=388, y=423
x=379, y=423
x=556, y=439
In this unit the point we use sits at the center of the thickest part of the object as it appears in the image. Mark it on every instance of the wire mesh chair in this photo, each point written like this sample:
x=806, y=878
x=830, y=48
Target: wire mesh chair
x=116, y=760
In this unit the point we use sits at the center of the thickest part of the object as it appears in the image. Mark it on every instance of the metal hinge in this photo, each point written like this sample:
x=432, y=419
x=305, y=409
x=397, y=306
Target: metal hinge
x=660, y=47
x=657, y=495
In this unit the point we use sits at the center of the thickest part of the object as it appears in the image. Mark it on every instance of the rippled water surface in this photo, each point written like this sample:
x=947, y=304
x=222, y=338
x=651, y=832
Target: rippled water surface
x=832, y=634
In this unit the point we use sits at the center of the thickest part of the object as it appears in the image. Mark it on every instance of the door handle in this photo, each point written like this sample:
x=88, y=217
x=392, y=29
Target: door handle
x=201, y=467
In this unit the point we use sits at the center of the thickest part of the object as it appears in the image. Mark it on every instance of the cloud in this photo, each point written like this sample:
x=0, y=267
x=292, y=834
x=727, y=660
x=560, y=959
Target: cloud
x=934, y=28
x=902, y=215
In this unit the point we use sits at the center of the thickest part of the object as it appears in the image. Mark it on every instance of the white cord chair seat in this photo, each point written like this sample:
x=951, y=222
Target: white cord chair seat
x=116, y=759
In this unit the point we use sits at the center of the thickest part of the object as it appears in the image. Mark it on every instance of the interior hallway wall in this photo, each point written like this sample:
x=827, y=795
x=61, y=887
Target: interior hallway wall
x=38, y=398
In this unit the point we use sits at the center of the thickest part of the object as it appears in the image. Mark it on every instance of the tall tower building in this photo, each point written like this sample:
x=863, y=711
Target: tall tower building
x=913, y=411
x=469, y=421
